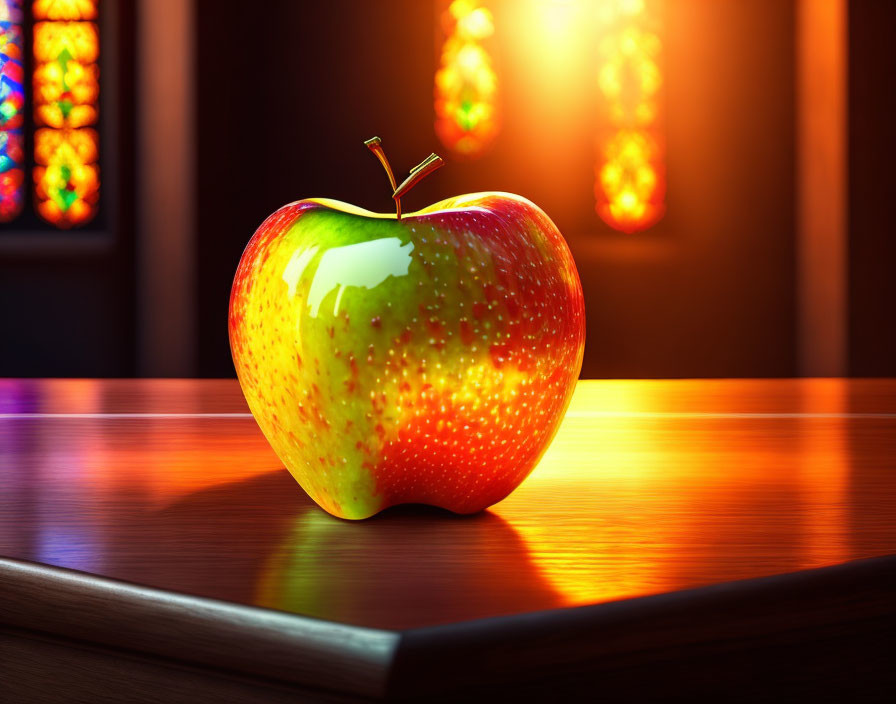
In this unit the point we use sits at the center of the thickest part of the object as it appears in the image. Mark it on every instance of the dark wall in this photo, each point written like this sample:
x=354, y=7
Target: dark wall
x=709, y=292
x=67, y=315
x=872, y=189
x=285, y=117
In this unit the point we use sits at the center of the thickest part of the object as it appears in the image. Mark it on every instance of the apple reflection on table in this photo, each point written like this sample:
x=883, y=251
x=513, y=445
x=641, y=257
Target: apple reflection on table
x=262, y=541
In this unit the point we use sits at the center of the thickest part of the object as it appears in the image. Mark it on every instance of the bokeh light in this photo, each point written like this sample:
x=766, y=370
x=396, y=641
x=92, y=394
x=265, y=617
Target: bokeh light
x=630, y=180
x=12, y=102
x=466, y=85
x=66, y=92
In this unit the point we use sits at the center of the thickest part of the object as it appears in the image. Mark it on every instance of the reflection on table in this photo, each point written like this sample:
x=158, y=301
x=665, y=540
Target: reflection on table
x=648, y=487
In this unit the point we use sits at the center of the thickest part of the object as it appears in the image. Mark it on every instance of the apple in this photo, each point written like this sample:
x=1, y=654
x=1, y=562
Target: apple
x=426, y=358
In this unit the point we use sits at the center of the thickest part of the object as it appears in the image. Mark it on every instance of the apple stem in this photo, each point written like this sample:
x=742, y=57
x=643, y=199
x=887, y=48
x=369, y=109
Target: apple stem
x=375, y=144
x=418, y=173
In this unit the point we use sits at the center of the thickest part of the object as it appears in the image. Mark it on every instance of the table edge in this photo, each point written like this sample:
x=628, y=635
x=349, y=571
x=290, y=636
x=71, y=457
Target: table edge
x=516, y=653
x=510, y=652
x=197, y=630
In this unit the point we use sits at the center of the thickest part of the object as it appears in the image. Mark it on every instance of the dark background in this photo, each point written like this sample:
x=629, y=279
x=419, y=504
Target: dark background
x=287, y=92
x=872, y=189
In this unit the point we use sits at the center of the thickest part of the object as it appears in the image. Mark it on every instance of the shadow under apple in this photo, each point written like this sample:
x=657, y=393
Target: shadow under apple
x=408, y=566
x=263, y=541
x=212, y=542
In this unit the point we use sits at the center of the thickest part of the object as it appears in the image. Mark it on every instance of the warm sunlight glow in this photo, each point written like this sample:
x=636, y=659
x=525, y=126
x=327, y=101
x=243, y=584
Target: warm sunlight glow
x=466, y=83
x=824, y=470
x=12, y=102
x=667, y=480
x=65, y=9
x=630, y=184
x=66, y=91
x=600, y=469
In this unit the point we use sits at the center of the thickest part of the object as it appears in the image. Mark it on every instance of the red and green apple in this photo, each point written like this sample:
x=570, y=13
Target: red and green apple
x=419, y=358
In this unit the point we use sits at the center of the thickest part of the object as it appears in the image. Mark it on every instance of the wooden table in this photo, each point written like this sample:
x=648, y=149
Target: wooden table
x=667, y=545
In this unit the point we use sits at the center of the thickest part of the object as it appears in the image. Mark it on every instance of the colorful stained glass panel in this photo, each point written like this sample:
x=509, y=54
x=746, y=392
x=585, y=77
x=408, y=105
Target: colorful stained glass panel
x=466, y=84
x=12, y=102
x=66, y=94
x=66, y=76
x=630, y=172
x=65, y=9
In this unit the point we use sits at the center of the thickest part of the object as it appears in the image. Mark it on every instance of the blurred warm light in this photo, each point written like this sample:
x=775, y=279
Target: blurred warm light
x=466, y=83
x=66, y=91
x=602, y=470
x=630, y=183
x=65, y=9
x=556, y=17
x=12, y=101
x=825, y=470
x=651, y=486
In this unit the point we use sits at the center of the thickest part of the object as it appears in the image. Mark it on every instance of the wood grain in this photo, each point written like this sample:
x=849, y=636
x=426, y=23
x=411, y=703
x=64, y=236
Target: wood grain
x=180, y=523
x=649, y=487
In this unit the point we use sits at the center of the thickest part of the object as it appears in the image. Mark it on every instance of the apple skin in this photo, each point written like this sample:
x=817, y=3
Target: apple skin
x=423, y=360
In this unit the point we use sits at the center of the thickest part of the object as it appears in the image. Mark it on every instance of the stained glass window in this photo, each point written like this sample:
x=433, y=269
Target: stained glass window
x=630, y=174
x=59, y=119
x=12, y=103
x=66, y=91
x=466, y=84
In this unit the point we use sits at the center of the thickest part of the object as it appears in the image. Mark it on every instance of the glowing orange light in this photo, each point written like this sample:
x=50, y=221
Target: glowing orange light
x=66, y=91
x=620, y=465
x=64, y=9
x=630, y=180
x=466, y=83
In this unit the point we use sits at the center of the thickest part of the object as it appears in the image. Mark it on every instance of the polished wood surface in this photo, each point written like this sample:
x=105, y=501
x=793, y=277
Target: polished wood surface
x=650, y=487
